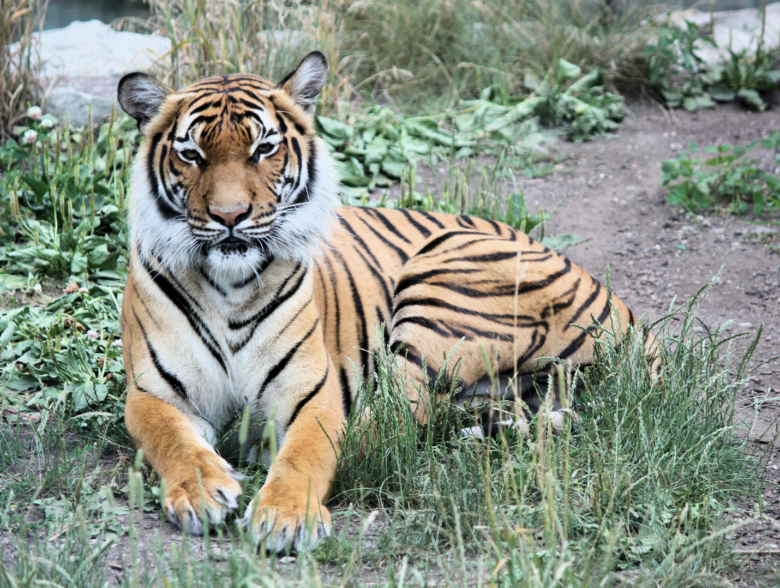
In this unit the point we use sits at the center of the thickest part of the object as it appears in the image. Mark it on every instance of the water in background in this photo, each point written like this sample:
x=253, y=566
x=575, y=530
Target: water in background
x=61, y=13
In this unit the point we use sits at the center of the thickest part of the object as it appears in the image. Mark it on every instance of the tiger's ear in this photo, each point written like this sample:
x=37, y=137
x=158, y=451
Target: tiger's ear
x=305, y=82
x=141, y=96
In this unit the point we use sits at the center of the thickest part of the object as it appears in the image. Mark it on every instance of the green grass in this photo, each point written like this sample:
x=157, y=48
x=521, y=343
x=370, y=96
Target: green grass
x=640, y=486
x=722, y=175
x=639, y=489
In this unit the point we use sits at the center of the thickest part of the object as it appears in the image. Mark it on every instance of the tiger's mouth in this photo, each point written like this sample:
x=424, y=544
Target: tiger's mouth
x=234, y=246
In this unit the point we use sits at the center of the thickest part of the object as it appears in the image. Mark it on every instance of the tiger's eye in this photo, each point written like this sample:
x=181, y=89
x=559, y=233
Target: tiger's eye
x=264, y=148
x=191, y=156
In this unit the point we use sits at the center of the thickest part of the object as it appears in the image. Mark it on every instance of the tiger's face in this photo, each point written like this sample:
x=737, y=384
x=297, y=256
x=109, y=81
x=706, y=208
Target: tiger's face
x=231, y=170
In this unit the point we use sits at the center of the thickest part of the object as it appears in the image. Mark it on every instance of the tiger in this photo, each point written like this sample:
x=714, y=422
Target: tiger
x=251, y=289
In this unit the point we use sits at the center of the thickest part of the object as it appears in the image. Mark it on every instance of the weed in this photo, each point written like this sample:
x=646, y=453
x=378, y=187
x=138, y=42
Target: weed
x=19, y=60
x=726, y=176
x=64, y=209
x=642, y=479
x=681, y=77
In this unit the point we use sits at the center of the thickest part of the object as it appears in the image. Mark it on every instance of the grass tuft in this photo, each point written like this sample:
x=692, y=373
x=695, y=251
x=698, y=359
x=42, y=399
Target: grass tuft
x=20, y=65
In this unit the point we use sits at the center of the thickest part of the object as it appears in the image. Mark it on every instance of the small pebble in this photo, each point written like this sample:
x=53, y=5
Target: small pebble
x=745, y=325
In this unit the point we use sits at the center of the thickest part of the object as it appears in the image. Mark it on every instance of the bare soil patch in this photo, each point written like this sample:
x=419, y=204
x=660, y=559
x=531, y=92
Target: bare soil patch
x=654, y=252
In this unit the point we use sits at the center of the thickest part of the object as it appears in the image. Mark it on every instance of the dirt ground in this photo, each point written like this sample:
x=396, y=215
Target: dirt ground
x=655, y=252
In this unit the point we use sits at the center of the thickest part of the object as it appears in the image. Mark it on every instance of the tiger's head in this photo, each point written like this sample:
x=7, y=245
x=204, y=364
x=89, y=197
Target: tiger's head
x=230, y=173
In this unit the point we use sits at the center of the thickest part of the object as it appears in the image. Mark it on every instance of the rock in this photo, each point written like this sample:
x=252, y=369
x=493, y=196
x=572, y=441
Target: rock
x=738, y=29
x=85, y=60
x=68, y=102
x=761, y=230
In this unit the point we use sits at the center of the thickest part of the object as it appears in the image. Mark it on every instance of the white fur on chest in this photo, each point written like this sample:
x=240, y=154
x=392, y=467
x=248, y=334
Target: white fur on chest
x=216, y=393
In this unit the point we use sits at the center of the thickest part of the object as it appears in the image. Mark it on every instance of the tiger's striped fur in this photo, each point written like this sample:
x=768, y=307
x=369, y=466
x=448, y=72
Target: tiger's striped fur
x=249, y=286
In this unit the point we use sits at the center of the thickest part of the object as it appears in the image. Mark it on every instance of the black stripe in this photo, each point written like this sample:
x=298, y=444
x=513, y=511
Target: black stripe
x=311, y=165
x=562, y=303
x=296, y=315
x=388, y=225
x=537, y=341
x=379, y=278
x=400, y=252
x=165, y=208
x=324, y=296
x=433, y=244
x=462, y=223
x=471, y=242
x=211, y=282
x=253, y=276
x=468, y=220
x=486, y=258
x=198, y=109
x=186, y=309
x=431, y=218
x=358, y=303
x=360, y=241
x=332, y=276
x=265, y=312
x=174, y=382
x=585, y=305
x=146, y=308
x=426, y=323
x=411, y=354
x=282, y=363
x=495, y=225
x=521, y=320
x=449, y=330
x=346, y=395
x=423, y=231
x=412, y=280
x=508, y=289
x=309, y=396
x=575, y=345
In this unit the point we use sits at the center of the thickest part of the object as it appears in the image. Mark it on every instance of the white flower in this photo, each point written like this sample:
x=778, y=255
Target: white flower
x=29, y=137
x=47, y=123
x=92, y=334
x=38, y=288
x=35, y=112
x=118, y=343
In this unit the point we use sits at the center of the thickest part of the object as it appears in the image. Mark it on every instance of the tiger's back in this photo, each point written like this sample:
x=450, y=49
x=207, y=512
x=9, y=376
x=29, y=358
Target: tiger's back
x=440, y=281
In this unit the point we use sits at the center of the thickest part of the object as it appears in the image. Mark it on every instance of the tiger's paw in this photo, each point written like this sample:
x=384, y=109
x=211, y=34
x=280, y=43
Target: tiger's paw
x=286, y=529
x=215, y=493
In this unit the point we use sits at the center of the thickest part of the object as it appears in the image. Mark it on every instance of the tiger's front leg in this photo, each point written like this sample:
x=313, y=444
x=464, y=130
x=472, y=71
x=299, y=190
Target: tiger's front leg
x=288, y=513
x=198, y=483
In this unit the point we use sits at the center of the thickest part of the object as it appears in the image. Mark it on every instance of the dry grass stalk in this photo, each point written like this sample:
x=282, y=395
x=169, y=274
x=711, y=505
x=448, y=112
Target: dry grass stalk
x=20, y=83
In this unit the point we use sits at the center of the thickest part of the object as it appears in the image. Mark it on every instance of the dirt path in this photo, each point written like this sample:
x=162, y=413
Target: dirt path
x=655, y=253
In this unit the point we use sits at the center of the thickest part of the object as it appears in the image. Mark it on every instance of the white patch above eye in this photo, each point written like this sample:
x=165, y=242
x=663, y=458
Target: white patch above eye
x=264, y=139
x=190, y=144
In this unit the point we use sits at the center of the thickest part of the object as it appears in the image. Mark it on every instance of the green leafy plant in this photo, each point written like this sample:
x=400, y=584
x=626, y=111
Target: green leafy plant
x=675, y=69
x=64, y=228
x=564, y=98
x=721, y=174
x=681, y=77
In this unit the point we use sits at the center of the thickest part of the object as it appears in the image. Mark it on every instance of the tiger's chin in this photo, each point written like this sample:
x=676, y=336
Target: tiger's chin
x=233, y=264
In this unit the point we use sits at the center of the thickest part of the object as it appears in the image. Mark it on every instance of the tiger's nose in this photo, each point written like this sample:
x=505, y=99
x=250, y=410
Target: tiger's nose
x=229, y=218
